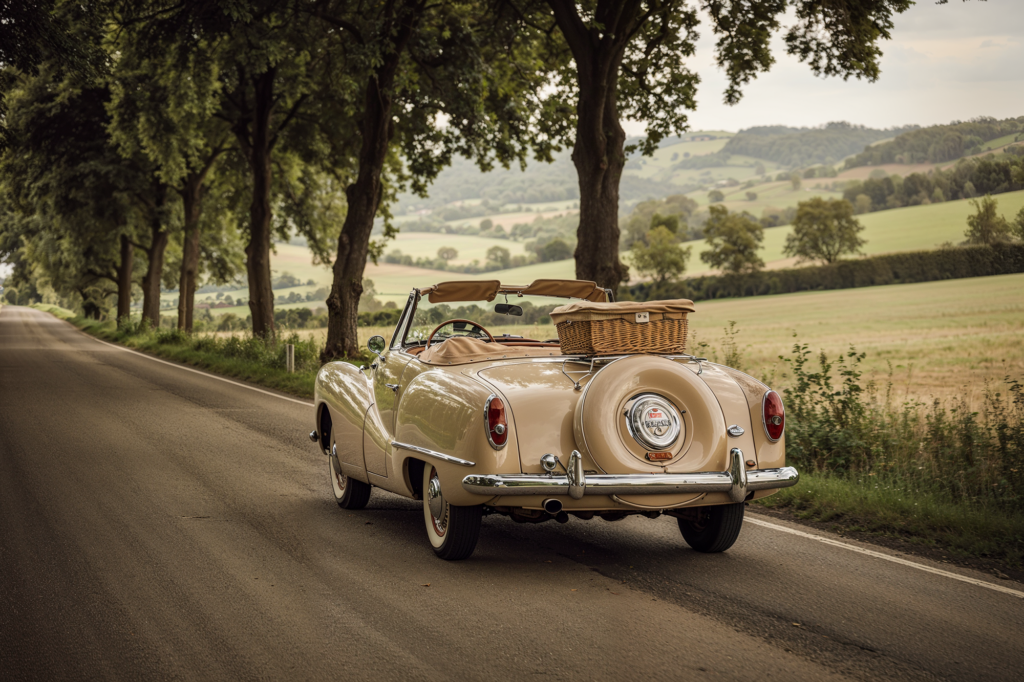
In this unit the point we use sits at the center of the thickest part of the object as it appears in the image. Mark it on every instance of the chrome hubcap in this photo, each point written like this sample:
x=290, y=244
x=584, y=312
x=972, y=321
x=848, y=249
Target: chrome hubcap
x=434, y=498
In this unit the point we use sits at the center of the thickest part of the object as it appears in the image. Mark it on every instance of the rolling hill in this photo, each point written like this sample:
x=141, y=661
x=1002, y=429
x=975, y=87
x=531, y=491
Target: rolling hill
x=902, y=229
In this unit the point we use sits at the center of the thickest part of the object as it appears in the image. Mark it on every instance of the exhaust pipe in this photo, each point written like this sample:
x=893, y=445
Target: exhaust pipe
x=552, y=506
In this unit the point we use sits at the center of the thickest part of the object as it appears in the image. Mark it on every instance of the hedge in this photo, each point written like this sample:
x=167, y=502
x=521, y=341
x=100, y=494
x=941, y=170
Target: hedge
x=896, y=268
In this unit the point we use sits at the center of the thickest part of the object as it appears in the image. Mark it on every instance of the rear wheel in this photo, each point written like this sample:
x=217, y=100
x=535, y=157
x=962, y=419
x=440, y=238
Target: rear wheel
x=715, y=529
x=348, y=492
x=453, y=531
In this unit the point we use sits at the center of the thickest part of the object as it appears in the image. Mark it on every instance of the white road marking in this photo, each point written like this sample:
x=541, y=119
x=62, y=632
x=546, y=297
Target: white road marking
x=887, y=557
x=187, y=369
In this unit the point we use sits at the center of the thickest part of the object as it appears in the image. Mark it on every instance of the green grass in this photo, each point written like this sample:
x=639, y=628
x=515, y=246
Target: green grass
x=941, y=338
x=889, y=507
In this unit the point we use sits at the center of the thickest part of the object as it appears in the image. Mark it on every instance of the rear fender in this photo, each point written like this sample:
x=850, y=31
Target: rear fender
x=443, y=411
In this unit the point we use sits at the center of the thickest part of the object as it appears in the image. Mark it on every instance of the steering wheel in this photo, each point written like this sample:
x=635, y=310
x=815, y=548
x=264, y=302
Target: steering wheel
x=471, y=322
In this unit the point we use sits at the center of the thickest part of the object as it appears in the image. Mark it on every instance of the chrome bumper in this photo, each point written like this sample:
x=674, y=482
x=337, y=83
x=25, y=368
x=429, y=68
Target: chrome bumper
x=737, y=481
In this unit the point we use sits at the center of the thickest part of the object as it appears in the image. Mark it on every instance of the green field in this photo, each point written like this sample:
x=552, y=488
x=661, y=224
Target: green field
x=901, y=229
x=941, y=338
x=911, y=228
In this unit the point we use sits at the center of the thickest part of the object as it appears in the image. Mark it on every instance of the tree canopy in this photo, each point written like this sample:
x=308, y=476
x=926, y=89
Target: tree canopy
x=734, y=240
x=824, y=229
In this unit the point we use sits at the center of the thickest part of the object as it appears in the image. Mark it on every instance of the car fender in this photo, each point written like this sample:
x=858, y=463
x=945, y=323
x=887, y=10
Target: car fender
x=443, y=412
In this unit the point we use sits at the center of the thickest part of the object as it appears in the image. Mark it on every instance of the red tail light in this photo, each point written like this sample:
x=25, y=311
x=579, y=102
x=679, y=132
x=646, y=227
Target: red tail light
x=774, y=415
x=494, y=420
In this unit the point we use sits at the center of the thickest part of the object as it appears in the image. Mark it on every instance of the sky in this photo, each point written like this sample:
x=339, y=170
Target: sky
x=944, y=62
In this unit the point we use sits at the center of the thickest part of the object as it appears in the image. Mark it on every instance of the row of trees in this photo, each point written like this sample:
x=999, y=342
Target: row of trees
x=208, y=126
x=823, y=229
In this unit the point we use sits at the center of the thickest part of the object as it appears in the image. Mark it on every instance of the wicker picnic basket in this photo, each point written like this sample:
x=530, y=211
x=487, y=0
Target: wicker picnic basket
x=586, y=328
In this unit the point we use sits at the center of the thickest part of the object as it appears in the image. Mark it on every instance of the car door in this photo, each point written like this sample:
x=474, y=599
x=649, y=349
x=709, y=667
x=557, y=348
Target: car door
x=387, y=378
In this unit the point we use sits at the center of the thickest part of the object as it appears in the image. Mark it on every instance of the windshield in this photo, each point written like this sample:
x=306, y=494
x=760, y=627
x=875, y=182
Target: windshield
x=534, y=322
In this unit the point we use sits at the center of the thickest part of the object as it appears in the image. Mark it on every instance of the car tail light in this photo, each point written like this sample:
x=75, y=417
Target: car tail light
x=774, y=415
x=494, y=420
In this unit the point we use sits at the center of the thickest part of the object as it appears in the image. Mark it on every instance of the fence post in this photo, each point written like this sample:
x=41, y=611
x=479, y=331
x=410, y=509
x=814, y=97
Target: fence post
x=290, y=355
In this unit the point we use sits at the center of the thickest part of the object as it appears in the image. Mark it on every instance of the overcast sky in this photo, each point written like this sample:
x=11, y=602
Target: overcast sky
x=944, y=62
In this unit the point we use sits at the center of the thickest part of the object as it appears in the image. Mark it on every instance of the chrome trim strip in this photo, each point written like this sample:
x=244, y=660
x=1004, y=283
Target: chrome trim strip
x=431, y=453
x=635, y=484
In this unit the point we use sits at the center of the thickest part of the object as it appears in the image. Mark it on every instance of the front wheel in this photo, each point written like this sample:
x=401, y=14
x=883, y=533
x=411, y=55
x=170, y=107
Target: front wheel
x=348, y=492
x=453, y=531
x=715, y=529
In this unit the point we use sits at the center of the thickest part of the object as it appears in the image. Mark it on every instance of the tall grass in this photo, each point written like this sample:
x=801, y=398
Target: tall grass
x=837, y=424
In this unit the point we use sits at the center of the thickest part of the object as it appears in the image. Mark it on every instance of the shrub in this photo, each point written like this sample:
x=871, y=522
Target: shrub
x=896, y=268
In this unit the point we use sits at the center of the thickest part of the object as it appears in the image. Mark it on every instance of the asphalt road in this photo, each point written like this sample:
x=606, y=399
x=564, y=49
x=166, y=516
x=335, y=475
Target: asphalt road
x=157, y=523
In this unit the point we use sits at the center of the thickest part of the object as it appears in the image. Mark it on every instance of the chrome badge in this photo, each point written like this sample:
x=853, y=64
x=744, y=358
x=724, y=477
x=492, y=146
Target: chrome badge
x=654, y=422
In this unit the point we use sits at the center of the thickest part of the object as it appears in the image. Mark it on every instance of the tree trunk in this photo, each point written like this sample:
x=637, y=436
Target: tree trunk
x=154, y=273
x=364, y=197
x=599, y=157
x=598, y=153
x=124, y=280
x=192, y=196
x=257, y=251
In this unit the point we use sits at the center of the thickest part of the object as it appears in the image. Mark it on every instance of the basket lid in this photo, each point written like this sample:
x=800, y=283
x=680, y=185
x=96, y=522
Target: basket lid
x=586, y=310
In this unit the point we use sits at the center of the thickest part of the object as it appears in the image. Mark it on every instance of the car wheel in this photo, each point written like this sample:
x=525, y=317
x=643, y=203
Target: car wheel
x=715, y=529
x=348, y=492
x=453, y=531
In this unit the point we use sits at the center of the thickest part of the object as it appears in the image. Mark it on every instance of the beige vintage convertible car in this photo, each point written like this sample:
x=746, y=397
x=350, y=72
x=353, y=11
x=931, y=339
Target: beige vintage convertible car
x=611, y=419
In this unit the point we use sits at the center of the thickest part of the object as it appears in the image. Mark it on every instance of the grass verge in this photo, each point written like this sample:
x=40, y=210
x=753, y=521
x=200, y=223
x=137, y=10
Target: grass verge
x=242, y=357
x=889, y=508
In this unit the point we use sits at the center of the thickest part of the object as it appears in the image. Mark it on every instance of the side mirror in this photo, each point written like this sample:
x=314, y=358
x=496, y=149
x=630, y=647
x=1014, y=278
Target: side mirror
x=506, y=309
x=376, y=344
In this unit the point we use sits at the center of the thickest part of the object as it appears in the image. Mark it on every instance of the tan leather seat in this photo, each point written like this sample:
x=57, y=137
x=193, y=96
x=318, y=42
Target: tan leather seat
x=461, y=350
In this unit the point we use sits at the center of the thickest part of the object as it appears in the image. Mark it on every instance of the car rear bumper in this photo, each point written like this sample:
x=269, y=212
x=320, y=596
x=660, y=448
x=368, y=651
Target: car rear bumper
x=738, y=481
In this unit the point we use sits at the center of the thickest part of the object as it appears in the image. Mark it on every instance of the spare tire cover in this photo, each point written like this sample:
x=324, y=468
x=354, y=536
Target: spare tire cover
x=629, y=411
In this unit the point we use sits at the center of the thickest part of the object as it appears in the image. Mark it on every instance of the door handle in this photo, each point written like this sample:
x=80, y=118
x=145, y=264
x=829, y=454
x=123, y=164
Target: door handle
x=393, y=387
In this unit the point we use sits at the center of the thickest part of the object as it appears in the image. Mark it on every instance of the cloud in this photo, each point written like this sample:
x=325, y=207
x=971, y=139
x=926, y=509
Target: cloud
x=934, y=70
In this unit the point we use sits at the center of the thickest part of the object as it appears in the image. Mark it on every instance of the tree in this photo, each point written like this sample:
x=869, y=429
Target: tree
x=500, y=257
x=862, y=204
x=79, y=200
x=629, y=59
x=486, y=224
x=759, y=168
x=1017, y=227
x=669, y=222
x=715, y=196
x=660, y=256
x=734, y=240
x=824, y=230
x=163, y=107
x=447, y=253
x=986, y=226
x=554, y=250
x=412, y=63
x=751, y=196
x=795, y=181
x=280, y=94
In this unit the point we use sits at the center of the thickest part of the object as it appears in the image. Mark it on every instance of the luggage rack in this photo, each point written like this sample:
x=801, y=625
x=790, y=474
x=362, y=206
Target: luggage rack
x=593, y=360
